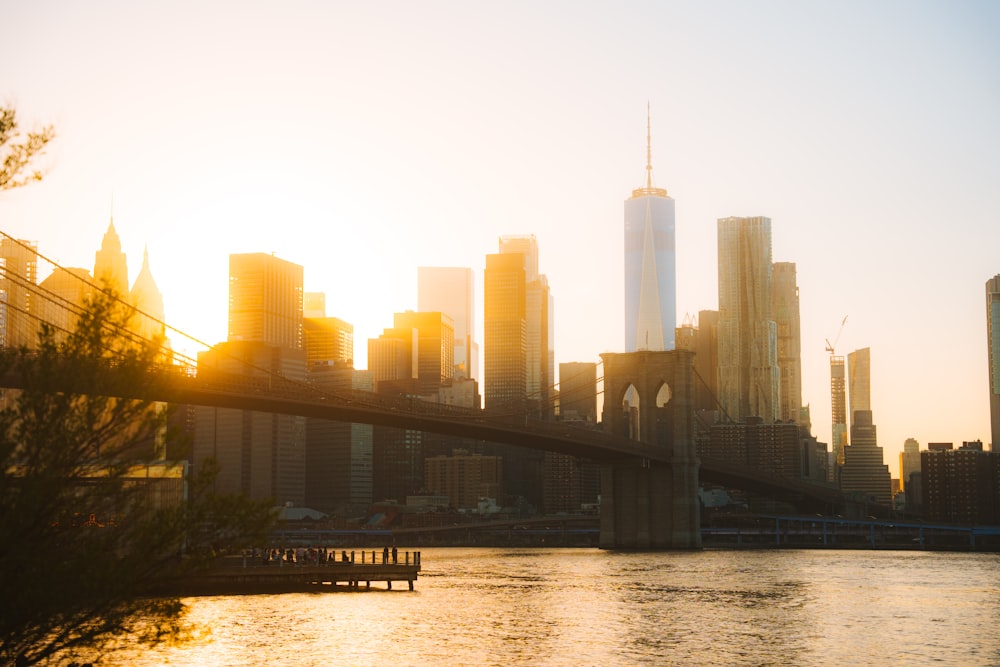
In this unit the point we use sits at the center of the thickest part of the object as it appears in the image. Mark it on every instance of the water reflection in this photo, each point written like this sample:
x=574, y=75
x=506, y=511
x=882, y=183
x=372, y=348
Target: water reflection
x=589, y=607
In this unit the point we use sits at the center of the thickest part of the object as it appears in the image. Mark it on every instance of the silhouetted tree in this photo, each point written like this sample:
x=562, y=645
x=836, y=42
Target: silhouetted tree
x=86, y=546
x=17, y=151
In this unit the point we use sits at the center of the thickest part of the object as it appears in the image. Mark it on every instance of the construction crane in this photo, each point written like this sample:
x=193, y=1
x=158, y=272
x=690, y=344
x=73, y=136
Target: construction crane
x=830, y=346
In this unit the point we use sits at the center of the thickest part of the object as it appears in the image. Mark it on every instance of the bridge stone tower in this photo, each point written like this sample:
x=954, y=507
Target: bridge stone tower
x=651, y=503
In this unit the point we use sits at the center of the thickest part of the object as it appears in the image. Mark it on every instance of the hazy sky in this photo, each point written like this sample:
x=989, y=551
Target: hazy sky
x=363, y=140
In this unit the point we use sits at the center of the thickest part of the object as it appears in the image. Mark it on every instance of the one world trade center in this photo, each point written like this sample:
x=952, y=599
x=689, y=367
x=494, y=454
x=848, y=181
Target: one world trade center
x=650, y=265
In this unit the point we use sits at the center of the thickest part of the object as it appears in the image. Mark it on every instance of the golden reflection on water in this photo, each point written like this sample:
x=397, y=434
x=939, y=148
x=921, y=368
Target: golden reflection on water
x=590, y=607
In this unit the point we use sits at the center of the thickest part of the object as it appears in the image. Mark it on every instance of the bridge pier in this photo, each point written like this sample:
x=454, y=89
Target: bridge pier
x=651, y=503
x=651, y=506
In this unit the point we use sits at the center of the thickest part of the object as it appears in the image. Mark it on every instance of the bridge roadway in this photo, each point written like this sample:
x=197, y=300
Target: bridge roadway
x=213, y=388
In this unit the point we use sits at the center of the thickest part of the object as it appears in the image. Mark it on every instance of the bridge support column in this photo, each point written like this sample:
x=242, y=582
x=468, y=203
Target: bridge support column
x=649, y=505
x=651, y=502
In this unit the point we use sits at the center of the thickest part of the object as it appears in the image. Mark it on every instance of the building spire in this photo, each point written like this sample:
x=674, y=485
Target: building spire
x=649, y=152
x=649, y=190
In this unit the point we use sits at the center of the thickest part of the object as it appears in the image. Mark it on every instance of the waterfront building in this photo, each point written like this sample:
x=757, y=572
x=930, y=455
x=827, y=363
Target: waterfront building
x=18, y=277
x=650, y=265
x=570, y=483
x=451, y=290
x=993, y=351
x=397, y=453
x=785, y=307
x=864, y=473
x=776, y=447
x=413, y=359
x=960, y=485
x=859, y=365
x=909, y=462
x=460, y=392
x=561, y=486
x=464, y=477
x=265, y=300
x=260, y=454
x=338, y=454
x=749, y=378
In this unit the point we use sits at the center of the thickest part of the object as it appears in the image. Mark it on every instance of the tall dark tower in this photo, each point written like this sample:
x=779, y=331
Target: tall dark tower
x=993, y=345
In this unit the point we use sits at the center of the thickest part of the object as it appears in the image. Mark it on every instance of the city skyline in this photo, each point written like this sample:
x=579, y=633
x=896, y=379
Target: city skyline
x=268, y=133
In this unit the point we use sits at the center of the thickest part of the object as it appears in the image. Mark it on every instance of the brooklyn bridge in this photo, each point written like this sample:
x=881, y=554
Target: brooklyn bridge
x=650, y=469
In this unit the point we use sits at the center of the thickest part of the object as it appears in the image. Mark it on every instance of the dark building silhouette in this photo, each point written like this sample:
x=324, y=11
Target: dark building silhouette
x=960, y=485
x=864, y=473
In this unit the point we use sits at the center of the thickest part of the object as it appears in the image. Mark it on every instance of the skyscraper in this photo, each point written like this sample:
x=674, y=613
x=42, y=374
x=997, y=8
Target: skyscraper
x=18, y=304
x=148, y=300
x=909, y=461
x=265, y=300
x=749, y=379
x=578, y=391
x=328, y=340
x=785, y=305
x=110, y=266
x=260, y=454
x=71, y=286
x=539, y=356
x=993, y=350
x=859, y=364
x=451, y=290
x=864, y=472
x=505, y=333
x=424, y=351
x=339, y=454
x=517, y=353
x=838, y=408
x=650, y=265
x=702, y=338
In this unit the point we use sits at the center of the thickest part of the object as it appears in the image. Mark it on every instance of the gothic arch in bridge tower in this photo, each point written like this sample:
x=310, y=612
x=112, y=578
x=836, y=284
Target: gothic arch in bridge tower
x=645, y=503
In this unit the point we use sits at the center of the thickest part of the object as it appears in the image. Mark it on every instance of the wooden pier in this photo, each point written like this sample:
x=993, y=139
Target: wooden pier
x=236, y=575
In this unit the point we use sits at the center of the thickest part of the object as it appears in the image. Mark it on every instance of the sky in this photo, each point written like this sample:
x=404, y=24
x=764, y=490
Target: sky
x=362, y=140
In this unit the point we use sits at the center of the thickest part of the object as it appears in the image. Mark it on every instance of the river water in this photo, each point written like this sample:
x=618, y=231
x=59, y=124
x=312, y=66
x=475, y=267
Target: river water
x=592, y=607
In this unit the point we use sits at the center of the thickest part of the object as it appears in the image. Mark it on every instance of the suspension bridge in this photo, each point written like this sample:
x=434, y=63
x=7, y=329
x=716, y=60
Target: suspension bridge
x=649, y=484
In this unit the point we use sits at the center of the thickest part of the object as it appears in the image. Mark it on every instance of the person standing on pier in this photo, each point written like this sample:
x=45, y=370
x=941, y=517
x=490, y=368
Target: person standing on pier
x=395, y=555
x=385, y=555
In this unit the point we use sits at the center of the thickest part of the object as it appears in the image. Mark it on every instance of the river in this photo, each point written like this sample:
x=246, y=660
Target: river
x=592, y=607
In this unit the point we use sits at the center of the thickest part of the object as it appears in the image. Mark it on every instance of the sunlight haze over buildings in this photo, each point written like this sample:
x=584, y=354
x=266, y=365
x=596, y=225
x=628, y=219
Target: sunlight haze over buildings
x=362, y=141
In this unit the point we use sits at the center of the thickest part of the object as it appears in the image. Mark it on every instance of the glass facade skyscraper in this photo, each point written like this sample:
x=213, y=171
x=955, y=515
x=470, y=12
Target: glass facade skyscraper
x=859, y=371
x=265, y=300
x=451, y=290
x=785, y=305
x=650, y=266
x=749, y=379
